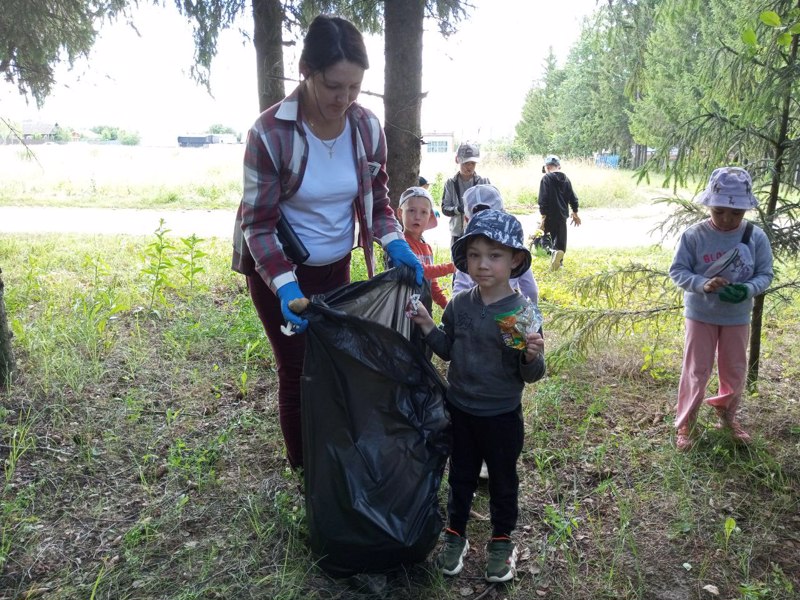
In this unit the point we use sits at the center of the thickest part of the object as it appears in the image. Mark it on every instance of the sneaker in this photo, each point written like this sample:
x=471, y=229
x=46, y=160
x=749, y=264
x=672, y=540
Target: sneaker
x=501, y=560
x=556, y=260
x=484, y=474
x=451, y=557
x=683, y=440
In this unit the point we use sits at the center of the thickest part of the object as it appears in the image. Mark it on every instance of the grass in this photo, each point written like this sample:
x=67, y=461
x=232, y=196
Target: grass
x=84, y=175
x=143, y=458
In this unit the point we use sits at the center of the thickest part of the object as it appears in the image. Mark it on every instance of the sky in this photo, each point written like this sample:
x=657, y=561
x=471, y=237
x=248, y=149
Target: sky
x=476, y=80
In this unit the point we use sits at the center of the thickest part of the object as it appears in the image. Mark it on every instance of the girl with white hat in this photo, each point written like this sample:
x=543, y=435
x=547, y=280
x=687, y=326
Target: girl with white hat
x=721, y=263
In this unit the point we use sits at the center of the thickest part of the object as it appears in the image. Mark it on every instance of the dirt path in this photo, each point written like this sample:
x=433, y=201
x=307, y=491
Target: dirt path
x=601, y=228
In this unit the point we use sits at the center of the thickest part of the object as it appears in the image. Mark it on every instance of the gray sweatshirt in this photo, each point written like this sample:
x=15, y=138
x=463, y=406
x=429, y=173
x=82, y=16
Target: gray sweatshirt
x=485, y=376
x=699, y=247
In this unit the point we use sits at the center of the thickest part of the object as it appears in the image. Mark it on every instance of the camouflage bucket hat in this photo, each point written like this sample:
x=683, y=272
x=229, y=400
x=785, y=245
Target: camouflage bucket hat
x=499, y=227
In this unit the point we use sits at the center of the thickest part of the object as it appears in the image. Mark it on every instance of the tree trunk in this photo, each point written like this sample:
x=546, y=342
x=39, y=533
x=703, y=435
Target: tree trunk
x=639, y=155
x=780, y=144
x=402, y=98
x=268, y=42
x=7, y=365
x=755, y=340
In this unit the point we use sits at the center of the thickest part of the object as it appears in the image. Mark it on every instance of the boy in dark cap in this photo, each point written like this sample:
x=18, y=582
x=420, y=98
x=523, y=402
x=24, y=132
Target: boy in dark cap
x=492, y=337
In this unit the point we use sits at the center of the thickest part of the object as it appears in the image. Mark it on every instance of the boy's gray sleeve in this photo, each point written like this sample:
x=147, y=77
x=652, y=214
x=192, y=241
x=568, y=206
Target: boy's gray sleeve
x=533, y=371
x=450, y=205
x=440, y=339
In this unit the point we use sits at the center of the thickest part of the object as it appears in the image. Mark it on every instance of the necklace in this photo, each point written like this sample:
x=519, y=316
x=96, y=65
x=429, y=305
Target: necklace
x=328, y=145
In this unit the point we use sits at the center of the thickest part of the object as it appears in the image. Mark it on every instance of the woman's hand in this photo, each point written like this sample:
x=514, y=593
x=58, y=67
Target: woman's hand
x=576, y=220
x=534, y=347
x=290, y=295
x=400, y=253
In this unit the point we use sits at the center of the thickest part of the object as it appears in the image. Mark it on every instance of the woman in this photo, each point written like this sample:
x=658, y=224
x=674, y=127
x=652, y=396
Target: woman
x=317, y=159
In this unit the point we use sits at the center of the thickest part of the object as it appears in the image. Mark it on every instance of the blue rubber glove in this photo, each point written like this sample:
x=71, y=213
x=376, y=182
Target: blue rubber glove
x=400, y=253
x=288, y=292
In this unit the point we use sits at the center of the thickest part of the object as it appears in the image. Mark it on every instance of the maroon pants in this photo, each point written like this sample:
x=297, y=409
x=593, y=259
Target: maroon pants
x=290, y=350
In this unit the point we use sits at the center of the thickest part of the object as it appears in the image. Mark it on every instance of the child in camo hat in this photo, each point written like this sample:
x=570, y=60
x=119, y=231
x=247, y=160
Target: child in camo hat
x=482, y=197
x=721, y=263
x=487, y=373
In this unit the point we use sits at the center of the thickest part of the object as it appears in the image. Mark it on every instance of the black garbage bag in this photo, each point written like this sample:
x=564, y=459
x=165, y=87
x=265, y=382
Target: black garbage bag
x=376, y=435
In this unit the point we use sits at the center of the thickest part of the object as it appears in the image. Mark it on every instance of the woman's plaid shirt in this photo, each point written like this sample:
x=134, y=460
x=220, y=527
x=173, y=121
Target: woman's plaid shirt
x=274, y=164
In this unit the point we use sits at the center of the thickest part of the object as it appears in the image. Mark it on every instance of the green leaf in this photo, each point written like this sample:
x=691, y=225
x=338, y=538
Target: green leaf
x=784, y=39
x=730, y=525
x=771, y=18
x=749, y=37
x=795, y=29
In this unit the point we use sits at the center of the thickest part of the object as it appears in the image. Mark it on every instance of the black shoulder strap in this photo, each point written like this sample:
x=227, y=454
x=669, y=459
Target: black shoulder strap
x=748, y=231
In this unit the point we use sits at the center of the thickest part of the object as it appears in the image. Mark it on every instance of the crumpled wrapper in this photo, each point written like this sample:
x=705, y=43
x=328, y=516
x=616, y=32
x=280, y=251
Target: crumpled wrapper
x=412, y=305
x=515, y=325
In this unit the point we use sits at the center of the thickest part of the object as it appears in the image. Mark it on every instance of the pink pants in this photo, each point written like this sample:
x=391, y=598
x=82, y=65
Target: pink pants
x=703, y=342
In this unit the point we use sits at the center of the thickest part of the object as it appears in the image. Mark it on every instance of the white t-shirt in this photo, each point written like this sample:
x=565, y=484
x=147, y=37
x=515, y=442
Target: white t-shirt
x=321, y=212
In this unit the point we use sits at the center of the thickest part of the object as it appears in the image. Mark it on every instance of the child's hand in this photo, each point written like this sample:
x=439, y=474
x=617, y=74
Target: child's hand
x=534, y=346
x=715, y=284
x=422, y=319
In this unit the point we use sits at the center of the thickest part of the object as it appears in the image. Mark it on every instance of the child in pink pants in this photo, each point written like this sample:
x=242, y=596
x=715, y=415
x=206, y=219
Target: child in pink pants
x=721, y=263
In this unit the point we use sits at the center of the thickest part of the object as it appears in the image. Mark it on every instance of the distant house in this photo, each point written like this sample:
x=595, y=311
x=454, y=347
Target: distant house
x=223, y=138
x=438, y=143
x=36, y=130
x=438, y=153
x=195, y=141
x=204, y=139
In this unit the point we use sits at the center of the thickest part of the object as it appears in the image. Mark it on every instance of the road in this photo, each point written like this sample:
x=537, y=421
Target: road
x=601, y=228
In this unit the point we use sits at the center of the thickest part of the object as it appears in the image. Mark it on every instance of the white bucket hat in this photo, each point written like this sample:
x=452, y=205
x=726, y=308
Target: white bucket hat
x=483, y=195
x=729, y=187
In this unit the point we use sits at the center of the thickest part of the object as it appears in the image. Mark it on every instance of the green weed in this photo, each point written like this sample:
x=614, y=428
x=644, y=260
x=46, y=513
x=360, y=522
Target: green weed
x=158, y=262
x=189, y=263
x=18, y=442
